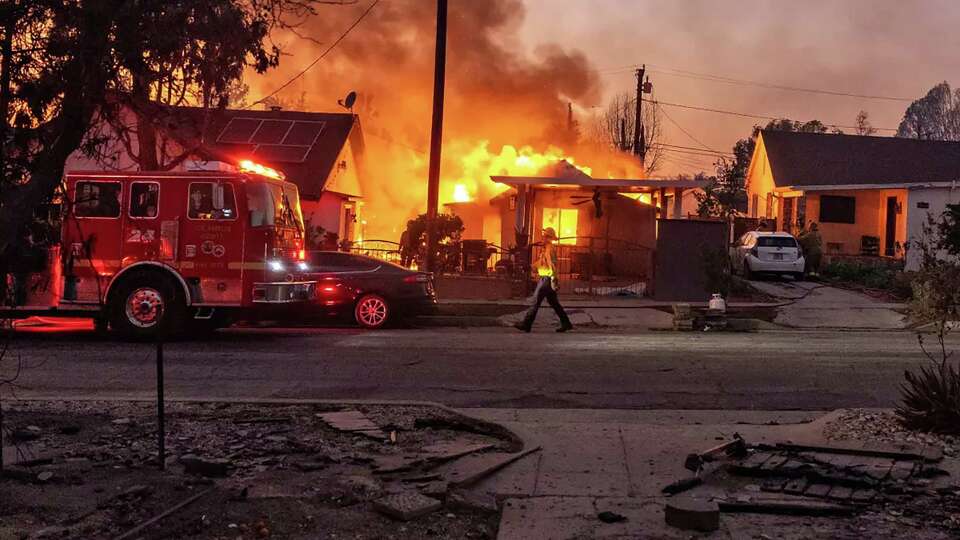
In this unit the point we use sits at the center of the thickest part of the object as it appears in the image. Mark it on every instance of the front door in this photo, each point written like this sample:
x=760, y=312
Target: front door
x=890, y=238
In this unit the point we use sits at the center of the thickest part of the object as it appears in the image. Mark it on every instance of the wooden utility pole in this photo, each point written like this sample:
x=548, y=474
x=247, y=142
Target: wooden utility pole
x=639, y=139
x=436, y=134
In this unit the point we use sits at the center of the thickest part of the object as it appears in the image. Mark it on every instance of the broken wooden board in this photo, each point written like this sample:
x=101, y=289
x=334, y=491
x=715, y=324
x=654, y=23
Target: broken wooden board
x=471, y=469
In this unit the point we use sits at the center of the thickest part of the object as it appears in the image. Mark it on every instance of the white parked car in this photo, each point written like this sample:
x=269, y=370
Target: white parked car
x=767, y=253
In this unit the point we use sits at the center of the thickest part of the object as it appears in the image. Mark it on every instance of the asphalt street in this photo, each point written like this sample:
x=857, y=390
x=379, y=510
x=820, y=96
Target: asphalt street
x=486, y=367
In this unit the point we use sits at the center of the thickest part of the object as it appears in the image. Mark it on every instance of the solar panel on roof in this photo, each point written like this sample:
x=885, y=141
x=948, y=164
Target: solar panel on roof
x=239, y=130
x=282, y=153
x=271, y=131
x=304, y=133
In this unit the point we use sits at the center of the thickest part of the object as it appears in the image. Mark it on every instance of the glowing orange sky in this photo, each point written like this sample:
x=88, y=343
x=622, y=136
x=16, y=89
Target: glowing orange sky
x=878, y=47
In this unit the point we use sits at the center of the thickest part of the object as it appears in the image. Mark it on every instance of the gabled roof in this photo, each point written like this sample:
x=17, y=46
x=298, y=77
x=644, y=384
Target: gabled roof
x=307, y=163
x=820, y=159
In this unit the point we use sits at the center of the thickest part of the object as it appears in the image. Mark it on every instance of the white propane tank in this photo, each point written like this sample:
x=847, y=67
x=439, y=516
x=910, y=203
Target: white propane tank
x=717, y=302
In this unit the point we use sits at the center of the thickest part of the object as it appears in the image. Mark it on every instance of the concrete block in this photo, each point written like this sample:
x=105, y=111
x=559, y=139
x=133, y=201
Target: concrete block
x=406, y=506
x=796, y=486
x=818, y=490
x=692, y=514
x=840, y=493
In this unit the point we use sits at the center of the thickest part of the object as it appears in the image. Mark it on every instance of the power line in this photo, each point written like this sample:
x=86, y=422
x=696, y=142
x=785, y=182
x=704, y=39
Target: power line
x=757, y=116
x=685, y=132
x=746, y=82
x=319, y=58
x=695, y=148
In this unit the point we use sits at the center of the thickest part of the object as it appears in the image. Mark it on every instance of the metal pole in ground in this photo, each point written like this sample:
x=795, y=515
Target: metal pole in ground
x=161, y=428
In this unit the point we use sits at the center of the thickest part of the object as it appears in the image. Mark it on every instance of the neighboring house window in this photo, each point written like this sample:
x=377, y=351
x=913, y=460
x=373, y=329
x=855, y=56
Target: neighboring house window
x=211, y=200
x=97, y=200
x=755, y=206
x=564, y=221
x=144, y=199
x=837, y=209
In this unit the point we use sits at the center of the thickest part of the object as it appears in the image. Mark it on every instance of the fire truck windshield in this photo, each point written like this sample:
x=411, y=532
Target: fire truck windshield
x=273, y=205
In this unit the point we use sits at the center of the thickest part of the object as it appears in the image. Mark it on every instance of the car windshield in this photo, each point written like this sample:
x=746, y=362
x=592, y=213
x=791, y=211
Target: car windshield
x=777, y=241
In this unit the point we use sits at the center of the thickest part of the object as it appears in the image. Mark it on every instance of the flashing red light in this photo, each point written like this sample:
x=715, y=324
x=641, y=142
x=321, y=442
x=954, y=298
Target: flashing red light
x=249, y=166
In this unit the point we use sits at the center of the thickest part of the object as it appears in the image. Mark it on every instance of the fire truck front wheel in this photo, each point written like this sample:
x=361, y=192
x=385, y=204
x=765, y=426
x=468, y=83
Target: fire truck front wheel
x=146, y=304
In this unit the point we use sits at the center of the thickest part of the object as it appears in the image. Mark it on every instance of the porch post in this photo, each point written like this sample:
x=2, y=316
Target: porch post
x=678, y=203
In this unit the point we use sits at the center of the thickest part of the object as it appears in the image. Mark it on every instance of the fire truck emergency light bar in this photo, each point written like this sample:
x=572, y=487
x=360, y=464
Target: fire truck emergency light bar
x=249, y=166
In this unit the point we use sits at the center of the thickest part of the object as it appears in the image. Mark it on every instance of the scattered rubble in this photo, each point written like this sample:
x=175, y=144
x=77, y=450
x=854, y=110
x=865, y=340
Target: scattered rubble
x=344, y=465
x=882, y=426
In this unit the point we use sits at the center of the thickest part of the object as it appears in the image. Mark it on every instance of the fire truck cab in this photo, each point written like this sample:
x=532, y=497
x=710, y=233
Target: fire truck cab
x=157, y=253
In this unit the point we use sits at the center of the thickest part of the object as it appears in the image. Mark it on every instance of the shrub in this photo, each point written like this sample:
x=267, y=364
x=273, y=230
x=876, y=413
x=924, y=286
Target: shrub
x=931, y=396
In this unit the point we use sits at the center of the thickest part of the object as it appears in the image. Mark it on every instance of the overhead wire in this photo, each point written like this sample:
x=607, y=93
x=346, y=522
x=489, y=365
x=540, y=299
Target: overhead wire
x=319, y=58
x=750, y=115
x=663, y=70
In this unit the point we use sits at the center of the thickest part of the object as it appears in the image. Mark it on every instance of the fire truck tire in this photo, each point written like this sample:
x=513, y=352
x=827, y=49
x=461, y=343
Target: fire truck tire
x=146, y=304
x=372, y=311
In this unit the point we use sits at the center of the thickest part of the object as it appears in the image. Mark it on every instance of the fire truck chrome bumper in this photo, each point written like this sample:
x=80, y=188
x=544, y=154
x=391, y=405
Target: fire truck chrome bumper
x=283, y=292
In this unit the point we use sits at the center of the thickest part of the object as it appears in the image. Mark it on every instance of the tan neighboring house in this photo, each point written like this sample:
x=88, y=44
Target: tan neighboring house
x=869, y=195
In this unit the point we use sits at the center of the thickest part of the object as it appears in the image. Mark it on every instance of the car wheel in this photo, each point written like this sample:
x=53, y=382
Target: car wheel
x=798, y=276
x=372, y=311
x=145, y=305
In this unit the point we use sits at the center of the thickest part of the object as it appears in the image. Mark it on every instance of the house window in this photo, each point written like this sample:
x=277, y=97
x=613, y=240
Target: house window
x=837, y=209
x=564, y=221
x=97, y=200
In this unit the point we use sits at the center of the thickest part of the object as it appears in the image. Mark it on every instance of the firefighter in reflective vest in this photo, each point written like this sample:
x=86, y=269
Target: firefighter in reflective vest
x=546, y=267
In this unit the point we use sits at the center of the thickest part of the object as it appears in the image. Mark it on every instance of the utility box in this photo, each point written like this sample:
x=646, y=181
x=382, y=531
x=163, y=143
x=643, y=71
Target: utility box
x=688, y=252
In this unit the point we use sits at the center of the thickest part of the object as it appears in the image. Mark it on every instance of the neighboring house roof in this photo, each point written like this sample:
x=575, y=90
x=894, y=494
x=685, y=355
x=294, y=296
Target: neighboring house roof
x=820, y=159
x=306, y=146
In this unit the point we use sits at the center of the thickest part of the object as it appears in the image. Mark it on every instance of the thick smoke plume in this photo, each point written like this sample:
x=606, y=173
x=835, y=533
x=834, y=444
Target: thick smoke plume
x=496, y=95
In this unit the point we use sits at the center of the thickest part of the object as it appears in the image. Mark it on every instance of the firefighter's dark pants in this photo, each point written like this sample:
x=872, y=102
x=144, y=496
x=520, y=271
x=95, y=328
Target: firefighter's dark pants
x=546, y=291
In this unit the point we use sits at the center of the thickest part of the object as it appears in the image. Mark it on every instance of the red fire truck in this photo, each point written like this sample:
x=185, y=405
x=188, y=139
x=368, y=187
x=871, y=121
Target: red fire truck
x=149, y=252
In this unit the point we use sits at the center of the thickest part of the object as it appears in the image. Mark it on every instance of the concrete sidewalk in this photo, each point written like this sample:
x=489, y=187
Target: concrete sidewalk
x=812, y=305
x=616, y=460
x=613, y=312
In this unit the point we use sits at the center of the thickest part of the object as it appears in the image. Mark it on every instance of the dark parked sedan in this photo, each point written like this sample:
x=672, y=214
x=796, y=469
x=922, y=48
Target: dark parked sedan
x=370, y=291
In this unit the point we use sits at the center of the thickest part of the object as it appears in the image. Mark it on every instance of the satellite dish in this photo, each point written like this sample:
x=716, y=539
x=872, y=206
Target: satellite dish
x=347, y=102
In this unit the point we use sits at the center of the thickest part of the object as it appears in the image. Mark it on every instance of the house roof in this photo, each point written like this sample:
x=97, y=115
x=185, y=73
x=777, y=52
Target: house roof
x=303, y=145
x=821, y=160
x=619, y=184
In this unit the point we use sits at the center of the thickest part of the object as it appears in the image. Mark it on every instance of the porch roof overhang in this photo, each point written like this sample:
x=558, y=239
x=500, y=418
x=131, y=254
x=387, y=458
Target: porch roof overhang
x=865, y=187
x=629, y=185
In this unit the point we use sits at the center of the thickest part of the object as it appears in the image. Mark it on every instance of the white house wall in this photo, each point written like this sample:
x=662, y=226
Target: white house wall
x=936, y=200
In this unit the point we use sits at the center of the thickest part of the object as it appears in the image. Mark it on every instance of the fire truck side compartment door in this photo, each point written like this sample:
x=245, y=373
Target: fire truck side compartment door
x=169, y=238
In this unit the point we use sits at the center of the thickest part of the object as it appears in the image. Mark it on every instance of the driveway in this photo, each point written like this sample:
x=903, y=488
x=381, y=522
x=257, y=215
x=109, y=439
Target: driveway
x=814, y=305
